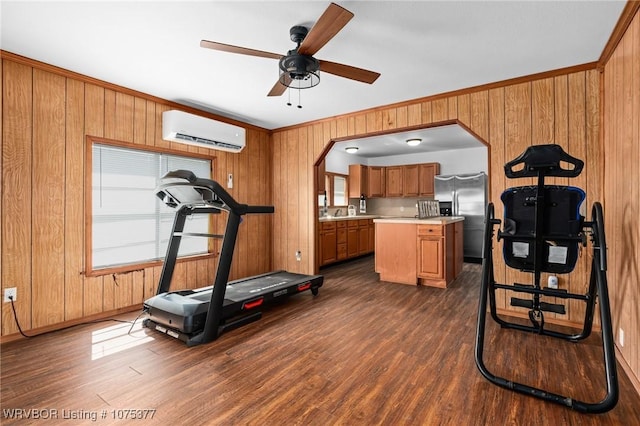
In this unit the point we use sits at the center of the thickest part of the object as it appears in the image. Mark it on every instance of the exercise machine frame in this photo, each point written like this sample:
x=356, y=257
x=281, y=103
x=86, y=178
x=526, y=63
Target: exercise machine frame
x=540, y=161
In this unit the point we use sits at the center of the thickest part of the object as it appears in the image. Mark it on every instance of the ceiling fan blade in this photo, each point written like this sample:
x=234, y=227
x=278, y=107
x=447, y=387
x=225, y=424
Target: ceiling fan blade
x=279, y=88
x=348, y=71
x=328, y=25
x=237, y=49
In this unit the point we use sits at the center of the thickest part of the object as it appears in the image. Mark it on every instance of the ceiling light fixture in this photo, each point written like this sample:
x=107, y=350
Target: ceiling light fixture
x=414, y=142
x=351, y=149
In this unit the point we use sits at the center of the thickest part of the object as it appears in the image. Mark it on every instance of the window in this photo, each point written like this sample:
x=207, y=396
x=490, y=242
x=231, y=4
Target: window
x=339, y=191
x=336, y=189
x=129, y=224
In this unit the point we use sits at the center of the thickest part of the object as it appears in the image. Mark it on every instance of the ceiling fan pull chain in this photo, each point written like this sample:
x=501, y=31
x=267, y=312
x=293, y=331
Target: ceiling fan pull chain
x=289, y=93
x=299, y=106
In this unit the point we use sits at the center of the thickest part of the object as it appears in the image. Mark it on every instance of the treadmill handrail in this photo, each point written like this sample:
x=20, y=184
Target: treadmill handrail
x=191, y=180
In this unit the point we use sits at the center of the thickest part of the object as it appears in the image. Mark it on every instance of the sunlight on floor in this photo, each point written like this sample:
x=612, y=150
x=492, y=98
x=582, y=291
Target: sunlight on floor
x=116, y=338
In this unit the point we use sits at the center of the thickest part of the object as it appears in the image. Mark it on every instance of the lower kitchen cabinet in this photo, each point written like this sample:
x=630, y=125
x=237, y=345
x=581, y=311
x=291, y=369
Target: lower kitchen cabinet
x=437, y=260
x=363, y=236
x=345, y=239
x=352, y=238
x=430, y=258
x=341, y=240
x=328, y=243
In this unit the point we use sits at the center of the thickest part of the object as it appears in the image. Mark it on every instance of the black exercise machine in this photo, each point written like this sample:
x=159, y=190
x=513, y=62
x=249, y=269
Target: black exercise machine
x=201, y=315
x=542, y=231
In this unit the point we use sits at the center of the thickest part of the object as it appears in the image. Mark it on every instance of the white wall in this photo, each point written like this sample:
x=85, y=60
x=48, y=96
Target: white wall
x=337, y=161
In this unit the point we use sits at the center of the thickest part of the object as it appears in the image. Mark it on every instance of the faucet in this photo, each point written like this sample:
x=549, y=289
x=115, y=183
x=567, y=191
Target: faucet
x=338, y=212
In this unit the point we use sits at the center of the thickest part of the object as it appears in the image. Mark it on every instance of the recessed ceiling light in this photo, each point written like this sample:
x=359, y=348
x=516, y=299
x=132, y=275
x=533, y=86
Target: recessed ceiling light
x=351, y=149
x=413, y=142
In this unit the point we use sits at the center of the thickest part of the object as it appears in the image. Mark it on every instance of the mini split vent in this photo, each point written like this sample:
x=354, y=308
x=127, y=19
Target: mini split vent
x=178, y=126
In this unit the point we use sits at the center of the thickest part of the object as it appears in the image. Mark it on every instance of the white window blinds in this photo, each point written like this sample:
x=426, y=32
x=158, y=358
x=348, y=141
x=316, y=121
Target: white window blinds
x=129, y=223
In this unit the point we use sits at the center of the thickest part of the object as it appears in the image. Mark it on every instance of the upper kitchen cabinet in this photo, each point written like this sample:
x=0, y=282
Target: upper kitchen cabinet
x=394, y=179
x=358, y=180
x=376, y=181
x=426, y=175
x=410, y=183
x=411, y=180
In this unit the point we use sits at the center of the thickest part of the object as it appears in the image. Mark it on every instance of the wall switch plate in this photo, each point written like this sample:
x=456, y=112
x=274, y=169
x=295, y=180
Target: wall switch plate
x=230, y=181
x=12, y=293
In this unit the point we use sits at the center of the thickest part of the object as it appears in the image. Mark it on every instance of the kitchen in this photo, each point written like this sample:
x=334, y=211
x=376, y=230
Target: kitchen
x=376, y=182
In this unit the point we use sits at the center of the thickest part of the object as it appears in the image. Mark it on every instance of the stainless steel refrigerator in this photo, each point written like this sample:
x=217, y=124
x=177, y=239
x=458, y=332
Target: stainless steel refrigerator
x=467, y=194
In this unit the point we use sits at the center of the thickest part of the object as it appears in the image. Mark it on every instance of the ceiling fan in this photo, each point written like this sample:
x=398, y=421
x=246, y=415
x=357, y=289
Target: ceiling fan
x=298, y=68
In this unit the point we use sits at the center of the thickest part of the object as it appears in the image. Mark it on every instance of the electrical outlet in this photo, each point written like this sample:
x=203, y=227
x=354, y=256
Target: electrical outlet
x=298, y=255
x=10, y=293
x=621, y=337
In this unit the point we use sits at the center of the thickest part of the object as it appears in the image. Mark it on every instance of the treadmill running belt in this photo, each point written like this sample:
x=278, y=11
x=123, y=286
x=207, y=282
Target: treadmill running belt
x=256, y=286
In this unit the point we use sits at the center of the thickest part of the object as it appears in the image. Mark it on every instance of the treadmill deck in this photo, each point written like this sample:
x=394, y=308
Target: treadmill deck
x=185, y=311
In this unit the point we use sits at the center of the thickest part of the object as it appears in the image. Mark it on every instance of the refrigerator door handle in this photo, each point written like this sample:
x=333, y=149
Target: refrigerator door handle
x=453, y=203
x=457, y=213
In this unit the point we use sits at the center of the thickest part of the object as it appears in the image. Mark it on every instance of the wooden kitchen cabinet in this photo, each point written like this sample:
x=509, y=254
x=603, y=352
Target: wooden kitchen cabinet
x=410, y=184
x=436, y=247
x=352, y=238
x=358, y=180
x=328, y=243
x=345, y=239
x=341, y=240
x=363, y=236
x=430, y=258
x=376, y=181
x=430, y=251
x=426, y=175
x=394, y=181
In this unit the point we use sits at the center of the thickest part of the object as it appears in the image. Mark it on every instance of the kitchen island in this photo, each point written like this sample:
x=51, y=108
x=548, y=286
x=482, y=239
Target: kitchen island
x=419, y=251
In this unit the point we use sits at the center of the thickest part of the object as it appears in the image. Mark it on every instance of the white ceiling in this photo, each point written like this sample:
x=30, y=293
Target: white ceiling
x=433, y=139
x=421, y=48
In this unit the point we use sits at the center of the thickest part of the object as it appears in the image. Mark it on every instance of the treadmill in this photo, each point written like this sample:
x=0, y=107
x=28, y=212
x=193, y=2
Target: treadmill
x=202, y=315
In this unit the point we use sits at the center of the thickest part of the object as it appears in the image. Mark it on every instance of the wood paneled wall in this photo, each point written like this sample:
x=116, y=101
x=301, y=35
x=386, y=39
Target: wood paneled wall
x=46, y=116
x=561, y=107
x=621, y=131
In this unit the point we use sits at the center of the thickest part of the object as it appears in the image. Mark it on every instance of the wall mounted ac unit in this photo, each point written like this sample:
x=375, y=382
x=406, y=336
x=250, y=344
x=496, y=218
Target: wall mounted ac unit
x=182, y=127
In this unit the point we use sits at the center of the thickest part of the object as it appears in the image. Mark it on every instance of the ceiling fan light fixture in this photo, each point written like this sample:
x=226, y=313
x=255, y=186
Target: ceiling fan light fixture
x=351, y=149
x=414, y=142
x=298, y=71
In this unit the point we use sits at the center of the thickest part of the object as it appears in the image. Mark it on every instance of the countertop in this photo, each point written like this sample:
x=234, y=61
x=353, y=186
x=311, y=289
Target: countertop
x=360, y=216
x=437, y=220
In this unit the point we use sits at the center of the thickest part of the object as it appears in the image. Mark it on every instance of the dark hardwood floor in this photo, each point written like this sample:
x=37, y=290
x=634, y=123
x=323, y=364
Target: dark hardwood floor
x=361, y=352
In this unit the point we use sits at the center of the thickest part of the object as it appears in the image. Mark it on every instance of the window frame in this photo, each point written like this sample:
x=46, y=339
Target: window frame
x=330, y=187
x=89, y=270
